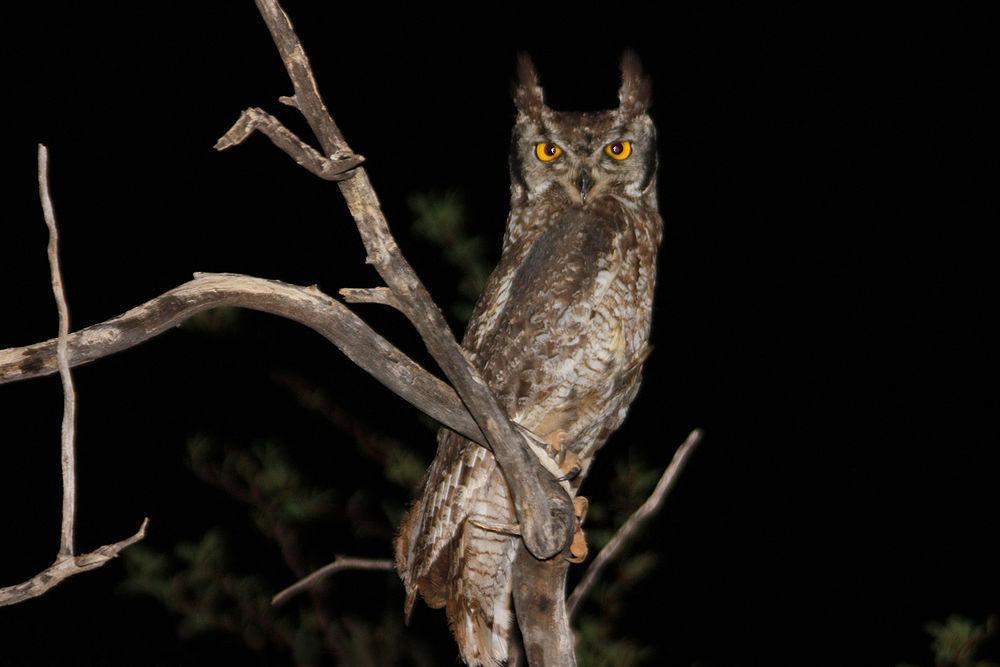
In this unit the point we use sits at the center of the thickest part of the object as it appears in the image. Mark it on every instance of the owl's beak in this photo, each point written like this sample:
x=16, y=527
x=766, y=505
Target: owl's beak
x=584, y=182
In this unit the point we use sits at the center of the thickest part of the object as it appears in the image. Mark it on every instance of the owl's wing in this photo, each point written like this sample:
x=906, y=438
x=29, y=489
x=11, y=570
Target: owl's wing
x=526, y=333
x=461, y=469
x=544, y=354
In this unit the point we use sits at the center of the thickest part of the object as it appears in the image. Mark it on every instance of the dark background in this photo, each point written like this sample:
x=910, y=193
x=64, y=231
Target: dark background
x=827, y=288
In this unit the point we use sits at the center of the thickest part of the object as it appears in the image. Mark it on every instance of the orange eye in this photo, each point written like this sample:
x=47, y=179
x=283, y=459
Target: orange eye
x=547, y=152
x=620, y=150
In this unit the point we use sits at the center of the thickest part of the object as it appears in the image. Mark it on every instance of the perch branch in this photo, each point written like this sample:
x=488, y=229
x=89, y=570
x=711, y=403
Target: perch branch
x=66, y=564
x=539, y=588
x=628, y=530
x=305, y=305
x=543, y=508
x=339, y=564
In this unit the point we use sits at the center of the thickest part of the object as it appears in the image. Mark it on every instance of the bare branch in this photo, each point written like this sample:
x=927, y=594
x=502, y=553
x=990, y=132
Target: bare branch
x=68, y=457
x=330, y=169
x=66, y=564
x=65, y=567
x=539, y=588
x=305, y=305
x=629, y=529
x=339, y=564
x=543, y=507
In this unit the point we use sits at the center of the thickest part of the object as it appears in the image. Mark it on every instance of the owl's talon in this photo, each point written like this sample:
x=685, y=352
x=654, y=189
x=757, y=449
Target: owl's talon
x=571, y=475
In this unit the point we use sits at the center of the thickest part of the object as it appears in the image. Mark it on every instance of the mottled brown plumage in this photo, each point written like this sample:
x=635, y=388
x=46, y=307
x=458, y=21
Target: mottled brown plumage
x=560, y=334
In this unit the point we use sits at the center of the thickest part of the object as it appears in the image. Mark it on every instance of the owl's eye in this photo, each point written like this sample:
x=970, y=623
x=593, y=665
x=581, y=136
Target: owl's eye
x=547, y=152
x=619, y=150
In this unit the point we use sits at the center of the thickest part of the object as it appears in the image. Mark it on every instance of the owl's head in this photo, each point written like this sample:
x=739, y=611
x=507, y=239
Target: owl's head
x=583, y=157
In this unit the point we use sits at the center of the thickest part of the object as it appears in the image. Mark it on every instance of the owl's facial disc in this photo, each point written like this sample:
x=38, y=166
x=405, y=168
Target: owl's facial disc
x=582, y=158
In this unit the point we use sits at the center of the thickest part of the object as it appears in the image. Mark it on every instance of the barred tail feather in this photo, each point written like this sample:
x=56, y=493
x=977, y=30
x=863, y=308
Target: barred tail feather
x=479, y=606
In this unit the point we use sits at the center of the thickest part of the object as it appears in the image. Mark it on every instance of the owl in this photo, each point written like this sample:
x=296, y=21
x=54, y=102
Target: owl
x=559, y=334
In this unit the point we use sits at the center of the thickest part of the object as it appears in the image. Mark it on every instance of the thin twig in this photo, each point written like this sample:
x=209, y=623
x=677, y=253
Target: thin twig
x=628, y=530
x=339, y=564
x=66, y=564
x=68, y=457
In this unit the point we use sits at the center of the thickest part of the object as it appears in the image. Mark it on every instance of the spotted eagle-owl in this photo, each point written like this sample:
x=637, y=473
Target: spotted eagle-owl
x=559, y=334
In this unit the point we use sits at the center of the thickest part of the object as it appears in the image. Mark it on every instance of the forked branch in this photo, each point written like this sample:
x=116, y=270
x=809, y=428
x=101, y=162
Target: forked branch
x=67, y=563
x=305, y=305
x=544, y=510
x=543, y=507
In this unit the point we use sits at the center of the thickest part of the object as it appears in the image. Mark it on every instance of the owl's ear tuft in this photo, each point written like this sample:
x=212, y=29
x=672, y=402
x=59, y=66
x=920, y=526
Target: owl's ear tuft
x=528, y=94
x=636, y=94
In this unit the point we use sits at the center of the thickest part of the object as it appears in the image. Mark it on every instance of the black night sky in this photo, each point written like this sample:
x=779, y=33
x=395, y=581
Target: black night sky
x=828, y=285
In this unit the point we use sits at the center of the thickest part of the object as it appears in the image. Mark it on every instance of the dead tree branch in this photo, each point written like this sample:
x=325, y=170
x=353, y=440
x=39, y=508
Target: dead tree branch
x=539, y=588
x=542, y=505
x=254, y=119
x=68, y=455
x=65, y=567
x=66, y=564
x=339, y=564
x=629, y=529
x=305, y=305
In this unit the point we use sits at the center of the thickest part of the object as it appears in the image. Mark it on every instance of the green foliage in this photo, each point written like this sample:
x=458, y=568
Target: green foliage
x=212, y=587
x=441, y=219
x=602, y=632
x=959, y=641
x=197, y=582
x=404, y=467
x=401, y=464
x=261, y=475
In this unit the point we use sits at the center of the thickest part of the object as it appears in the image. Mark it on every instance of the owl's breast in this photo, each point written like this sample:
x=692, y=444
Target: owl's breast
x=569, y=313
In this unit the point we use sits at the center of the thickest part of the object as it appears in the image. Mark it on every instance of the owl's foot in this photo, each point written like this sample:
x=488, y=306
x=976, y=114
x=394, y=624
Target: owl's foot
x=578, y=548
x=513, y=529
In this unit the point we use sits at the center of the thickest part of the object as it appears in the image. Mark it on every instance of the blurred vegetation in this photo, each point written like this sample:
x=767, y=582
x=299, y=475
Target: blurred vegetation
x=211, y=586
x=961, y=641
x=442, y=220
